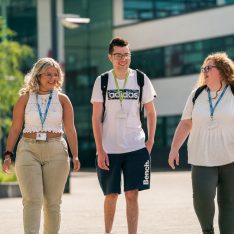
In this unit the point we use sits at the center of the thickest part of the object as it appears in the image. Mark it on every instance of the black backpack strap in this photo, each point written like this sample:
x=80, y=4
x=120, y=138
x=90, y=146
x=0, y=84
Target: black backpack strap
x=198, y=92
x=232, y=88
x=104, y=83
x=140, y=82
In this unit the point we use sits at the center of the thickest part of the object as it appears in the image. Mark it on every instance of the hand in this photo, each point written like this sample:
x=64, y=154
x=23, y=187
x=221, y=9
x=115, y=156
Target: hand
x=6, y=165
x=149, y=145
x=76, y=164
x=173, y=156
x=103, y=160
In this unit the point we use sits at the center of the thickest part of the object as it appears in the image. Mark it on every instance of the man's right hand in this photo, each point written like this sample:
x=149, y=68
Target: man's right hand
x=103, y=160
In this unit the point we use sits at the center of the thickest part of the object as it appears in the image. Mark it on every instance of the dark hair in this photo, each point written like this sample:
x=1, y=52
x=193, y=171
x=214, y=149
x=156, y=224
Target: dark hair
x=118, y=41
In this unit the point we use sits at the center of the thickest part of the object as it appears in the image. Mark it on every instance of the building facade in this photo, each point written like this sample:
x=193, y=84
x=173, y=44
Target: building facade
x=169, y=40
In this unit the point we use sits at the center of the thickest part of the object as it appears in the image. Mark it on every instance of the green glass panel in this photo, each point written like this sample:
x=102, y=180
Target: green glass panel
x=179, y=59
x=22, y=19
x=86, y=50
x=151, y=9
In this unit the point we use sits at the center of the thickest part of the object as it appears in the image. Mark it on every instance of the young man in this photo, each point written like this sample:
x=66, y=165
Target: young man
x=119, y=138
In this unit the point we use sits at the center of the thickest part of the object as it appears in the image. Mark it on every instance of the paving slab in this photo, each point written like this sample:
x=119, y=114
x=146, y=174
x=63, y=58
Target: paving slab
x=164, y=209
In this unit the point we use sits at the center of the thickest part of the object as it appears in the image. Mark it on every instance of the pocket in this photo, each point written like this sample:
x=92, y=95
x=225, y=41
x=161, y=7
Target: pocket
x=22, y=147
x=19, y=146
x=147, y=152
x=64, y=146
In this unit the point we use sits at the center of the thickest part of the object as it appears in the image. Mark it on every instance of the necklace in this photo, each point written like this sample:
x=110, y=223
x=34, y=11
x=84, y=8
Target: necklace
x=43, y=92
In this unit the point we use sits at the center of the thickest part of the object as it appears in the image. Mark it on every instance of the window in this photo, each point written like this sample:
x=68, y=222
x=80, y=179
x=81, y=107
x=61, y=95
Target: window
x=180, y=59
x=166, y=127
x=152, y=9
x=86, y=51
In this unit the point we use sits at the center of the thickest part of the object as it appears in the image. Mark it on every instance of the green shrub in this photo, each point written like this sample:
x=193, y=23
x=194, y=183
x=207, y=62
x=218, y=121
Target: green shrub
x=11, y=177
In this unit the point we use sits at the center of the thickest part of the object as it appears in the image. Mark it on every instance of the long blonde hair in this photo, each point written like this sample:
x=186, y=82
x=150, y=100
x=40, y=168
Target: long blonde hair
x=31, y=80
x=223, y=63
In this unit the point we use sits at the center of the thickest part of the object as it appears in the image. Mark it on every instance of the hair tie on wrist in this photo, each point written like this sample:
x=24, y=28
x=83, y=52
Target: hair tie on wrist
x=7, y=152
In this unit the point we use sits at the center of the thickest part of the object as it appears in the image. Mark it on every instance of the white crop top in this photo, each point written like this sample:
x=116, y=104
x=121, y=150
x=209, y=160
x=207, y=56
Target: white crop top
x=54, y=119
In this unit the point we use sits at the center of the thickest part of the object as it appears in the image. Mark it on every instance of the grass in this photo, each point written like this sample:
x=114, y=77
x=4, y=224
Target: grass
x=11, y=177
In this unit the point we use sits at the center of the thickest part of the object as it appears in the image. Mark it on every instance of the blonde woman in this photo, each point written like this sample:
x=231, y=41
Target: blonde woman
x=42, y=161
x=209, y=121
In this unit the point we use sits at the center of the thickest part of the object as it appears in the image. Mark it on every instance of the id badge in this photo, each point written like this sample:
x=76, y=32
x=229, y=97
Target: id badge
x=212, y=124
x=41, y=136
x=121, y=115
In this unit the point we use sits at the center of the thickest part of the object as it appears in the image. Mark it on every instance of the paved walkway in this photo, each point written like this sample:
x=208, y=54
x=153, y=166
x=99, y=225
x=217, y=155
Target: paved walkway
x=165, y=209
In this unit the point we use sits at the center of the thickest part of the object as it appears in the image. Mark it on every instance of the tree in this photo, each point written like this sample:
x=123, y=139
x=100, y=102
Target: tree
x=12, y=56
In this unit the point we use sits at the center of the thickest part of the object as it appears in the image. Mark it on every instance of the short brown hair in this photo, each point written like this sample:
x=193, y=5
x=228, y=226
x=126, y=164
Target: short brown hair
x=117, y=41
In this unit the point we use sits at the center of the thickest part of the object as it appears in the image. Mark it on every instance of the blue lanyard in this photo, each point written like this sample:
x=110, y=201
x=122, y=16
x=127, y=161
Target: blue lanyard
x=43, y=118
x=212, y=109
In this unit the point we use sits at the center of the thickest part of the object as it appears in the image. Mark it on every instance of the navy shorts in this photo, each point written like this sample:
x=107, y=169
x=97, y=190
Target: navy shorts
x=136, y=168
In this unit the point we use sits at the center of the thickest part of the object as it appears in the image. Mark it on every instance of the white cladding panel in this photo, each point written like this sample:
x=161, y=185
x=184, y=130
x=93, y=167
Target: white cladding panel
x=172, y=93
x=44, y=27
x=118, y=18
x=179, y=29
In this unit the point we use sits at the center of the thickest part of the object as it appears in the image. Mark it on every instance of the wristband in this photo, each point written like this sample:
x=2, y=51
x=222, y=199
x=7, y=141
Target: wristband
x=7, y=152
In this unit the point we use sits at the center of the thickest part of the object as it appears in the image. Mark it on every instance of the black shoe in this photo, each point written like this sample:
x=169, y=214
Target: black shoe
x=210, y=231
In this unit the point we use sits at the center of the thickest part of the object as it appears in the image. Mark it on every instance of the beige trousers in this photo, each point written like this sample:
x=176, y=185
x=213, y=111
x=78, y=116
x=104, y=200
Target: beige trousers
x=42, y=169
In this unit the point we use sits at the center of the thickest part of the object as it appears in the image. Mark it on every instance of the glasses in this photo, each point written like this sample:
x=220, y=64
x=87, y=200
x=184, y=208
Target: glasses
x=119, y=56
x=207, y=68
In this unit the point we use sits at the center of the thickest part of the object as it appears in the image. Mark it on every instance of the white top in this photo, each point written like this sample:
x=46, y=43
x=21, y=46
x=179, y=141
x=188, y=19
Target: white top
x=122, y=135
x=53, y=122
x=210, y=145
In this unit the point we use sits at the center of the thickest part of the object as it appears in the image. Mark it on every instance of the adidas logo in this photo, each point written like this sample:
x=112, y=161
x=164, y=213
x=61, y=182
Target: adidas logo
x=126, y=94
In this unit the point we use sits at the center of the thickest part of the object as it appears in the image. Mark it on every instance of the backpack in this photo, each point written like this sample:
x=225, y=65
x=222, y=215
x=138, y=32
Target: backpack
x=140, y=82
x=201, y=88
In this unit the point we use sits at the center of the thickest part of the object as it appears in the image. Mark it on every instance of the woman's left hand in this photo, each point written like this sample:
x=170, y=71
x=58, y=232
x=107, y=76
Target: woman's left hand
x=76, y=164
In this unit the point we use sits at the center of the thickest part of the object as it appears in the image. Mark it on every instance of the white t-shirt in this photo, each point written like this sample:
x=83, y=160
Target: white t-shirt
x=122, y=135
x=210, y=146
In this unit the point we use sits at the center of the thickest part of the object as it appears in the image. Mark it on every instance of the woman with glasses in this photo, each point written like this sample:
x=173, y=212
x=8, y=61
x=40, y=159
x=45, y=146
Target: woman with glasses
x=42, y=161
x=208, y=120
